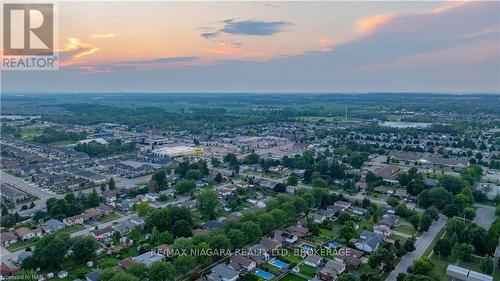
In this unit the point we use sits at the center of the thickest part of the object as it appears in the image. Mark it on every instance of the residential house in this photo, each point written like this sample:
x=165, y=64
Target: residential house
x=124, y=227
x=137, y=220
x=125, y=263
x=25, y=233
x=318, y=218
x=270, y=244
x=165, y=250
x=52, y=225
x=369, y=241
x=299, y=231
x=350, y=257
x=331, y=270
x=152, y=196
x=390, y=220
x=102, y=233
x=110, y=196
x=149, y=258
x=313, y=260
x=382, y=229
x=74, y=220
x=92, y=214
x=286, y=237
x=213, y=225
x=388, y=173
x=93, y=276
x=6, y=271
x=258, y=253
x=358, y=211
x=342, y=205
x=8, y=238
x=223, y=272
x=242, y=264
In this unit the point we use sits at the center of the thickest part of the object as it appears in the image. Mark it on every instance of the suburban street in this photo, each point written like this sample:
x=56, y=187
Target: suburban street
x=6, y=256
x=421, y=245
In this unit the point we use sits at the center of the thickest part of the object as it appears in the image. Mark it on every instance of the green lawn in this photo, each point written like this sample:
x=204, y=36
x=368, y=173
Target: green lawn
x=396, y=237
x=108, y=262
x=307, y=270
x=292, y=277
x=440, y=265
x=110, y=217
x=71, y=229
x=408, y=229
x=21, y=245
x=290, y=258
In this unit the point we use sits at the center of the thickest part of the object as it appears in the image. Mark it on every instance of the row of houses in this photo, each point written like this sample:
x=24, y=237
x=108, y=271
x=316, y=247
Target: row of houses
x=25, y=233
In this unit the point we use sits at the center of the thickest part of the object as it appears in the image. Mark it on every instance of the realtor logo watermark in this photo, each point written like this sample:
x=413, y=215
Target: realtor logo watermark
x=30, y=36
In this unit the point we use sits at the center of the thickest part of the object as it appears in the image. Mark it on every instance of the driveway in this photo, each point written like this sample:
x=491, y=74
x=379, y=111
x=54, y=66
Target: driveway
x=421, y=245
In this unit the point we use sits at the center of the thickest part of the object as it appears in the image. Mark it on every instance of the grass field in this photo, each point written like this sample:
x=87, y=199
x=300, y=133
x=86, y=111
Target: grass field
x=108, y=262
x=110, y=217
x=408, y=229
x=440, y=265
x=21, y=245
x=71, y=229
x=292, y=277
x=307, y=270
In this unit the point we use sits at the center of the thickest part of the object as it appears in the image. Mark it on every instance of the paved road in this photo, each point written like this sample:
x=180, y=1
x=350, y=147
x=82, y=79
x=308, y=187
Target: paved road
x=485, y=215
x=421, y=245
x=5, y=255
x=26, y=187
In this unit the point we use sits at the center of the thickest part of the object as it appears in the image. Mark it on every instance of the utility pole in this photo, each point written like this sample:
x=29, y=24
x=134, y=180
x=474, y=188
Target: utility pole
x=346, y=112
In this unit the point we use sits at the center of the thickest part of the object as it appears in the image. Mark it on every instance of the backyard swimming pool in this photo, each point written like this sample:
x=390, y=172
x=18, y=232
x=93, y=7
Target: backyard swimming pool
x=264, y=274
x=279, y=264
x=307, y=246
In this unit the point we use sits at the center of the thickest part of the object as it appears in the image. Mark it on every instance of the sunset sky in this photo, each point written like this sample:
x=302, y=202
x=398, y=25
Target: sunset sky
x=272, y=47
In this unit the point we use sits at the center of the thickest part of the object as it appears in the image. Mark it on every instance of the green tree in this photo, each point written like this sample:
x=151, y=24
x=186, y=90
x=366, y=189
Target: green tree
x=185, y=186
x=162, y=271
x=251, y=229
x=184, y=263
x=209, y=204
x=220, y=243
x=139, y=270
x=111, y=183
x=160, y=177
x=422, y=266
x=84, y=248
x=293, y=179
x=487, y=265
x=194, y=174
x=463, y=251
x=50, y=250
x=237, y=237
x=443, y=247
x=181, y=228
x=218, y=178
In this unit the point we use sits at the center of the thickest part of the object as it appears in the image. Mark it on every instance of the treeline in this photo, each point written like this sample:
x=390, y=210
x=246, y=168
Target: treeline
x=155, y=117
x=51, y=135
x=68, y=206
x=178, y=222
x=95, y=149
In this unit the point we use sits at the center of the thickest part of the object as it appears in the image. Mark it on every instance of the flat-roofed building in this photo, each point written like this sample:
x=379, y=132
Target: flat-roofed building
x=457, y=273
x=181, y=150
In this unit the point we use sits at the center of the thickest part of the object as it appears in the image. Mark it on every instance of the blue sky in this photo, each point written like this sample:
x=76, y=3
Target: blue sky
x=273, y=47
